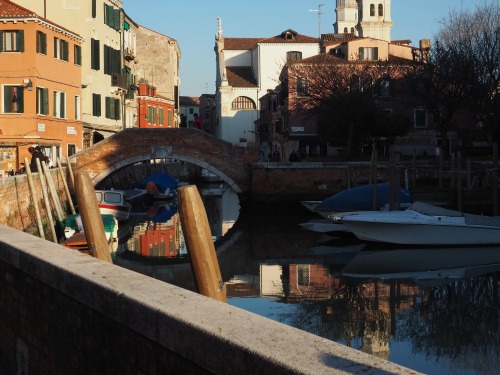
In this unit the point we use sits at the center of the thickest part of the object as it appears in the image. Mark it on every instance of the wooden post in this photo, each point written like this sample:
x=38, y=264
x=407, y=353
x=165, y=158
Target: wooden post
x=459, y=181
x=91, y=217
x=440, y=168
x=46, y=200
x=65, y=183
x=391, y=179
x=35, y=199
x=71, y=176
x=414, y=172
x=495, y=179
x=199, y=243
x=53, y=192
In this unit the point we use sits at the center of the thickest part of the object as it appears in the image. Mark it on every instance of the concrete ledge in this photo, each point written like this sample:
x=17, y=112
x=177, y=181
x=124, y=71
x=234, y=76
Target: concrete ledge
x=217, y=337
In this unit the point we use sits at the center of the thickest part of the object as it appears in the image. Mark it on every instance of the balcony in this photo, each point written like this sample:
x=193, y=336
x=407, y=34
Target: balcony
x=119, y=83
x=129, y=55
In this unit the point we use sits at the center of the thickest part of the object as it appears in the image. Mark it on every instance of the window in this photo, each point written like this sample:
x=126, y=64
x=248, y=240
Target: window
x=42, y=101
x=12, y=41
x=77, y=108
x=155, y=115
x=368, y=53
x=112, y=108
x=303, y=275
x=59, y=104
x=346, y=30
x=352, y=30
x=380, y=10
x=301, y=86
x=96, y=105
x=150, y=115
x=94, y=8
x=41, y=42
x=61, y=49
x=372, y=10
x=95, y=57
x=162, y=116
x=112, y=60
x=191, y=111
x=420, y=118
x=293, y=56
x=112, y=17
x=71, y=149
x=13, y=99
x=170, y=118
x=243, y=102
x=78, y=55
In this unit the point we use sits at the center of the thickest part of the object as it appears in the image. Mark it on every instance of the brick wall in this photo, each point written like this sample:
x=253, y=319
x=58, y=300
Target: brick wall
x=17, y=205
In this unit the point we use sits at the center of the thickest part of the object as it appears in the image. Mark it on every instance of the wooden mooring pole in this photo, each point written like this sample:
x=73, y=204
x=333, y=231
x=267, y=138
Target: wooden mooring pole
x=91, y=217
x=199, y=243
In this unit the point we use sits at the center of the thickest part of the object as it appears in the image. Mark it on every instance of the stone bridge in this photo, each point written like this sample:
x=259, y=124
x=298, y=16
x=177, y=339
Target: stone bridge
x=194, y=146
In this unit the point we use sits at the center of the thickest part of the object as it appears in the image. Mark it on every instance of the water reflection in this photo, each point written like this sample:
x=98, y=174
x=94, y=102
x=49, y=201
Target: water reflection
x=432, y=310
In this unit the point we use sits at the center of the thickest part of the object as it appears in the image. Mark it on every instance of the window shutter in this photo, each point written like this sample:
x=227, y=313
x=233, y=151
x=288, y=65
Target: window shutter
x=45, y=101
x=20, y=40
x=106, y=60
x=361, y=50
x=62, y=105
x=94, y=8
x=65, y=51
x=1, y=41
x=375, y=53
x=95, y=54
x=20, y=101
x=43, y=43
x=107, y=112
x=116, y=16
x=7, y=98
x=55, y=47
x=118, y=109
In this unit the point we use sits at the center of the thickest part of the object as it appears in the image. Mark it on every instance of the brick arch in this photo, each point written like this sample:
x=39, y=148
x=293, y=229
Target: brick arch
x=190, y=145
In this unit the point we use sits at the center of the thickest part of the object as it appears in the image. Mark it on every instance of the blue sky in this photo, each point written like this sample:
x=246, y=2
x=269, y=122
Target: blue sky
x=193, y=23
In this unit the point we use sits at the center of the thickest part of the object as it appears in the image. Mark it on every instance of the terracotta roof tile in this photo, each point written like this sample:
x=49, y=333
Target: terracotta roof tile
x=240, y=76
x=10, y=10
x=249, y=43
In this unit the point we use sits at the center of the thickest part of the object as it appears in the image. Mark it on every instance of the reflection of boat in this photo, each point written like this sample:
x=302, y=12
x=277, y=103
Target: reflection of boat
x=161, y=213
x=359, y=198
x=324, y=226
x=159, y=185
x=424, y=263
x=424, y=224
x=113, y=202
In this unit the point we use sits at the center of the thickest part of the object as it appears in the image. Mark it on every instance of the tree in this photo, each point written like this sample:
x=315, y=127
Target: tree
x=463, y=70
x=347, y=99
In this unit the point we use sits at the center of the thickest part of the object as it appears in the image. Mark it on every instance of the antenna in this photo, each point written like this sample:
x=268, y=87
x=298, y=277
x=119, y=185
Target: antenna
x=319, y=17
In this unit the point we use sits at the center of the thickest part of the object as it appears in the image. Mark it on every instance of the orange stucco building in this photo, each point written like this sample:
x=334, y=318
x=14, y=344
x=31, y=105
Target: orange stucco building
x=153, y=110
x=40, y=87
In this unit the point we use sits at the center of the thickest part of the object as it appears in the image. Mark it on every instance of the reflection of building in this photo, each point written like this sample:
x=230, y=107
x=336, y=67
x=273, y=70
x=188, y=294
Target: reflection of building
x=157, y=239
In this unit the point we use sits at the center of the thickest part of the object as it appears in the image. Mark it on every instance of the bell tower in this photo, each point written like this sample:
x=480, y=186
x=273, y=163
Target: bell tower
x=347, y=17
x=375, y=19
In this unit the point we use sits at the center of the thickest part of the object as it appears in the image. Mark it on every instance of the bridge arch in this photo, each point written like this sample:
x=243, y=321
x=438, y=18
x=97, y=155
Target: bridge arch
x=193, y=146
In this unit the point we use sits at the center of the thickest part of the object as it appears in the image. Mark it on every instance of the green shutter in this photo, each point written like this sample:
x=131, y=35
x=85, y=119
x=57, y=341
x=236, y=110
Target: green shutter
x=360, y=51
x=170, y=118
x=7, y=99
x=375, y=53
x=55, y=47
x=65, y=46
x=62, y=111
x=1, y=41
x=94, y=8
x=116, y=16
x=20, y=40
x=150, y=114
x=117, y=109
x=45, y=101
x=44, y=43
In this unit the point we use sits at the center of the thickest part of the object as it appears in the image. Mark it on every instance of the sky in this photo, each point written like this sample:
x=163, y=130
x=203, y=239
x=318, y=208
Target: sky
x=193, y=23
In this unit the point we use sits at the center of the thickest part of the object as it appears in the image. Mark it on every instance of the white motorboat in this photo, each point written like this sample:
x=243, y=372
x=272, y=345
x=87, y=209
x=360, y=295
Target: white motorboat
x=424, y=224
x=113, y=202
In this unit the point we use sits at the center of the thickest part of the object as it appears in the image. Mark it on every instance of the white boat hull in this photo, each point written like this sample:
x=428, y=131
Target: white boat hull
x=412, y=228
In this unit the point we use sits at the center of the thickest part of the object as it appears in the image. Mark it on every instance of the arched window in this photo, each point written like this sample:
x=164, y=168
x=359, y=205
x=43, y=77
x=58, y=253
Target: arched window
x=372, y=10
x=345, y=30
x=380, y=10
x=243, y=102
x=352, y=30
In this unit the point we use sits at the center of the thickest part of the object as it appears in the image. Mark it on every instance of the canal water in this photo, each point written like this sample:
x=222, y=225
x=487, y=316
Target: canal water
x=432, y=310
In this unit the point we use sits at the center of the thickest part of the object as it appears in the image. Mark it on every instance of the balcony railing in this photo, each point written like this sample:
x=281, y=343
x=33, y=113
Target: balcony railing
x=119, y=81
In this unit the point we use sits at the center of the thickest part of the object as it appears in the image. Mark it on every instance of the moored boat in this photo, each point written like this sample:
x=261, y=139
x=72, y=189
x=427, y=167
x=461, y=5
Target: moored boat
x=113, y=202
x=424, y=224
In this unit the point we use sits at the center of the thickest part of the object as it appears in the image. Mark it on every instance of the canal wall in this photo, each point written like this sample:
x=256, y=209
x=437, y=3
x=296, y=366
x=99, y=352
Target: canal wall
x=68, y=313
x=18, y=210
